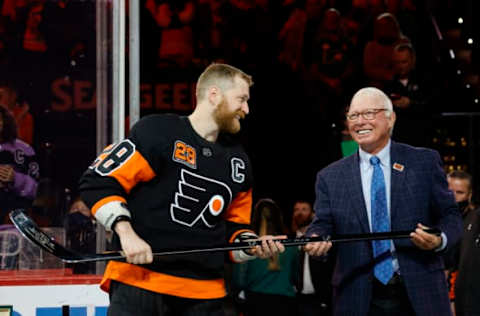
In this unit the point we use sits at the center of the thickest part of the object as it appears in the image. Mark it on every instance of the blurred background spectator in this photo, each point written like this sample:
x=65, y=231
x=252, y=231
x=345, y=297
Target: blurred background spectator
x=174, y=19
x=19, y=170
x=412, y=96
x=377, y=55
x=81, y=233
x=9, y=98
x=463, y=260
x=314, y=290
x=268, y=284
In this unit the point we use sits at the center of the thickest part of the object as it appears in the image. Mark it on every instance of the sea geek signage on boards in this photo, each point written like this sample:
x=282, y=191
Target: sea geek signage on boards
x=75, y=95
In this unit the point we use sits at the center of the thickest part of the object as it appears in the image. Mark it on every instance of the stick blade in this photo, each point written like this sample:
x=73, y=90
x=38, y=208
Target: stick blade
x=30, y=231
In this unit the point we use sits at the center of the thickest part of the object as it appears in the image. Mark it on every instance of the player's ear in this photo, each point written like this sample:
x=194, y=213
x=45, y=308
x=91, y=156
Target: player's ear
x=214, y=95
x=392, y=119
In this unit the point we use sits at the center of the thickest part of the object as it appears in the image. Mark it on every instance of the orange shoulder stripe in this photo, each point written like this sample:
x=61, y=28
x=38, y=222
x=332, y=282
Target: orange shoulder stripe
x=136, y=169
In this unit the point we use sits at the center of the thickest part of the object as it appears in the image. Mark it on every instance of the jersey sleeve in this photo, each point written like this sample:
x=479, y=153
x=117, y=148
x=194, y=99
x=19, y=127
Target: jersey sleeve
x=238, y=214
x=119, y=168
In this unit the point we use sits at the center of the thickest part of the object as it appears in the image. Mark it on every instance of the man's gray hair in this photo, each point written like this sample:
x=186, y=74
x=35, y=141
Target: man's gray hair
x=376, y=93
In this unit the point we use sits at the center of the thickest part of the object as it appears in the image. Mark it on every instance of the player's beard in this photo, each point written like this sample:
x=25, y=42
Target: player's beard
x=226, y=120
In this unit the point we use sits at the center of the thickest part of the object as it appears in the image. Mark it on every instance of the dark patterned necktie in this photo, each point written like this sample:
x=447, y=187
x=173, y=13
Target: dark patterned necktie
x=383, y=270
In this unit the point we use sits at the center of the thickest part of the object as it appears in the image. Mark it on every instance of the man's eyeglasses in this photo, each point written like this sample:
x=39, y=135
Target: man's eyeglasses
x=368, y=114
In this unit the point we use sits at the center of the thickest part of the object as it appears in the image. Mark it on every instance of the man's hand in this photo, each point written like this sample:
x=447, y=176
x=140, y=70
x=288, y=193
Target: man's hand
x=269, y=246
x=424, y=240
x=7, y=174
x=319, y=248
x=136, y=250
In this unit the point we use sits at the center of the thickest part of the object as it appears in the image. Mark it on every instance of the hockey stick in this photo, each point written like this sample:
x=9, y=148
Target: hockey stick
x=34, y=234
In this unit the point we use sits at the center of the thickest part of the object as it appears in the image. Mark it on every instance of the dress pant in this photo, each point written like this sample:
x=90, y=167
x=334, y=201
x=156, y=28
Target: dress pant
x=390, y=299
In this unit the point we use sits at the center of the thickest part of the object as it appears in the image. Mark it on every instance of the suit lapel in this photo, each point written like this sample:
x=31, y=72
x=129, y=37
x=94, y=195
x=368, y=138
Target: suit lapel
x=397, y=161
x=356, y=193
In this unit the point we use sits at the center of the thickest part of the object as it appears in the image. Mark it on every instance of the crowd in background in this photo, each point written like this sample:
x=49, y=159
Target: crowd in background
x=307, y=57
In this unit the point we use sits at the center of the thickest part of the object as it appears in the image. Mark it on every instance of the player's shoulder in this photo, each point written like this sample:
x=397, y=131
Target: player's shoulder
x=232, y=144
x=229, y=140
x=156, y=128
x=157, y=122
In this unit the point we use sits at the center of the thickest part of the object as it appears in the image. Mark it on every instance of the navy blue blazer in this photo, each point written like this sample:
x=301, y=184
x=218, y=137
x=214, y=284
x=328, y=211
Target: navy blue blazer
x=419, y=194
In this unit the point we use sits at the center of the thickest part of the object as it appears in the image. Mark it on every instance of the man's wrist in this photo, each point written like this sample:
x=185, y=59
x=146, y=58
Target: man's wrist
x=443, y=242
x=120, y=222
x=244, y=254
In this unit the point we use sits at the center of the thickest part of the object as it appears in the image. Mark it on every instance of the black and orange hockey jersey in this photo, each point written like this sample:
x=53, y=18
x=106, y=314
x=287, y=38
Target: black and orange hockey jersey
x=182, y=191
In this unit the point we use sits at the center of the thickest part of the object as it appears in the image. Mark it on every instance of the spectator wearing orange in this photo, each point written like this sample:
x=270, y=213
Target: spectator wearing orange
x=174, y=19
x=20, y=111
x=377, y=54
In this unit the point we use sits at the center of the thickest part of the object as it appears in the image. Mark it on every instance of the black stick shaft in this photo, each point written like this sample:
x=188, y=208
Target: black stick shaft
x=300, y=241
x=286, y=242
x=29, y=229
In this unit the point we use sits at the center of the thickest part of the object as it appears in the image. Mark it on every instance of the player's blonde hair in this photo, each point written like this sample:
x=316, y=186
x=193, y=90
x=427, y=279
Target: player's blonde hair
x=221, y=75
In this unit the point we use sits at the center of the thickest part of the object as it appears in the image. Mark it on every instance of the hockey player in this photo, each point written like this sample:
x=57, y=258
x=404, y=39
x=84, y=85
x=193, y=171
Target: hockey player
x=177, y=182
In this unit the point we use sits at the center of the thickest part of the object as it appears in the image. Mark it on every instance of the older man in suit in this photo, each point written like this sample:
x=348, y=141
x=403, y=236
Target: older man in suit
x=385, y=186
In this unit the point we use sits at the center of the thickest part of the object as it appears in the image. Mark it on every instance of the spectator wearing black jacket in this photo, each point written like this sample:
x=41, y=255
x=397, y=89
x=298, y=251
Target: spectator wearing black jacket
x=411, y=95
x=314, y=292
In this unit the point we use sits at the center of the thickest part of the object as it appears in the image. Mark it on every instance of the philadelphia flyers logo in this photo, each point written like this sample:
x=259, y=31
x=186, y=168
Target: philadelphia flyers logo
x=199, y=198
